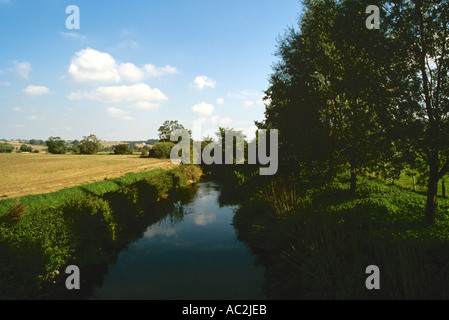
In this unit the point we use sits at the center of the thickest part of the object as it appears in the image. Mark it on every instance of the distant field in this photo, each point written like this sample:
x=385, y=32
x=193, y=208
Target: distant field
x=28, y=174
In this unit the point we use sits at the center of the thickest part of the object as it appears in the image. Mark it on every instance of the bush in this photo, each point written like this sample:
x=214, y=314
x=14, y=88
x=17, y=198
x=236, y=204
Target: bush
x=161, y=150
x=122, y=149
x=6, y=148
x=25, y=148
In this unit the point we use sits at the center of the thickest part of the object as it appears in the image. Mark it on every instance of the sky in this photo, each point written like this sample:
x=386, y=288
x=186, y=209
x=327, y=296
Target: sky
x=131, y=65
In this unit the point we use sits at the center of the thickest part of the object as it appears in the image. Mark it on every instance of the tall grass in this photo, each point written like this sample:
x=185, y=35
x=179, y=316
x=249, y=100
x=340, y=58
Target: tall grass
x=316, y=244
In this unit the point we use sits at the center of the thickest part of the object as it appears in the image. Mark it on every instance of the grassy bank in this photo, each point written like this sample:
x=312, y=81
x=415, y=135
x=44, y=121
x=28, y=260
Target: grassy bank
x=85, y=226
x=317, y=243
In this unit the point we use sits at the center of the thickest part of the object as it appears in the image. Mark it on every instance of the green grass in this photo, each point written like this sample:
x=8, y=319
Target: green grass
x=316, y=243
x=86, y=226
x=56, y=199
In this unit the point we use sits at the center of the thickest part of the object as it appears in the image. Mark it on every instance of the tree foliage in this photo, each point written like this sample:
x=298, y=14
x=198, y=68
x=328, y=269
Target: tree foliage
x=55, y=145
x=90, y=145
x=123, y=149
x=168, y=128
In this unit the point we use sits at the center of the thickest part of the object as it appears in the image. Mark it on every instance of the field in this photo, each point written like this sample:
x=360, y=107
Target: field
x=30, y=174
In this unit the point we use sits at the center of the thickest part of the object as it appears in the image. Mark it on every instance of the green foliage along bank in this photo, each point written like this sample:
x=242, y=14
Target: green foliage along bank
x=86, y=230
x=316, y=243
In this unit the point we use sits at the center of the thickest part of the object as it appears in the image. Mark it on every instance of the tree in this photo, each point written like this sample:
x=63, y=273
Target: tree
x=161, y=150
x=167, y=128
x=25, y=148
x=55, y=145
x=328, y=95
x=421, y=34
x=90, y=145
x=123, y=149
x=6, y=148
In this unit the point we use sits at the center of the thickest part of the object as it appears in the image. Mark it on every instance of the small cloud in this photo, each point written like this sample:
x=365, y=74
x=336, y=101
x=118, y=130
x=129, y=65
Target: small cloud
x=33, y=117
x=36, y=90
x=17, y=109
x=220, y=101
x=21, y=69
x=116, y=94
x=119, y=114
x=153, y=71
x=202, y=82
x=249, y=103
x=203, y=108
x=5, y=84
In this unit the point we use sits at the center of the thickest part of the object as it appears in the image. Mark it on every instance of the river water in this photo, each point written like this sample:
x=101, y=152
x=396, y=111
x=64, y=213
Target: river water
x=191, y=254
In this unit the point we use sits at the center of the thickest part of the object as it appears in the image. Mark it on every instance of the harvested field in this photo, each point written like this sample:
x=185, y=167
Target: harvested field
x=28, y=174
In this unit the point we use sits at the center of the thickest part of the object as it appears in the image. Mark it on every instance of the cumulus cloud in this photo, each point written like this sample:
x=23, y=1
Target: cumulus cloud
x=36, y=90
x=117, y=94
x=203, y=108
x=202, y=82
x=119, y=114
x=220, y=101
x=90, y=65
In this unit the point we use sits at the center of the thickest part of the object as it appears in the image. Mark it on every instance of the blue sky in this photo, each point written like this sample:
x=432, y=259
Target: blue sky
x=134, y=64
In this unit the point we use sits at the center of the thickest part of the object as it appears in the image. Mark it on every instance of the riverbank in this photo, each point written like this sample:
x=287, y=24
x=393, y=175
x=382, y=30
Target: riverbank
x=316, y=242
x=84, y=226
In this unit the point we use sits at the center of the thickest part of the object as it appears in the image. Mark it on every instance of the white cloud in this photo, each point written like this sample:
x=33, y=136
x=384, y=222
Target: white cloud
x=129, y=72
x=202, y=82
x=144, y=105
x=119, y=114
x=116, y=94
x=17, y=109
x=36, y=90
x=90, y=65
x=203, y=108
x=220, y=101
x=21, y=69
x=153, y=71
x=6, y=84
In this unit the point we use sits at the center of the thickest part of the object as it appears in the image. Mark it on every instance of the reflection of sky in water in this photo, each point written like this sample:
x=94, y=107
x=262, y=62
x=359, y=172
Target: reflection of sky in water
x=198, y=257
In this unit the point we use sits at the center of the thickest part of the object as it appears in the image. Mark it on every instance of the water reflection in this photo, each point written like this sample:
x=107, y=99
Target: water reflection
x=192, y=253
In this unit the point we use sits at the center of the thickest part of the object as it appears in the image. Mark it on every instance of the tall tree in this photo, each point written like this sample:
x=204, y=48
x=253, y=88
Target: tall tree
x=420, y=30
x=90, y=145
x=167, y=128
x=329, y=93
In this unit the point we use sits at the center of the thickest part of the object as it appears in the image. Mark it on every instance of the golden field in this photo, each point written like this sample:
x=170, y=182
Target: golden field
x=26, y=174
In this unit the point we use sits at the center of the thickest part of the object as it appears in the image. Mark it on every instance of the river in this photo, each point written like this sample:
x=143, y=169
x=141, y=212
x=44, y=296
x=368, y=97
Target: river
x=191, y=254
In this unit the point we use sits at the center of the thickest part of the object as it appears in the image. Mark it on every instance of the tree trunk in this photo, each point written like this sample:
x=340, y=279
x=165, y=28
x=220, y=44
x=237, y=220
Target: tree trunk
x=414, y=183
x=353, y=180
x=432, y=189
x=443, y=189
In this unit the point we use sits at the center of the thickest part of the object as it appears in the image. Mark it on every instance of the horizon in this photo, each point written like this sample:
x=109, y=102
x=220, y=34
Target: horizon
x=131, y=66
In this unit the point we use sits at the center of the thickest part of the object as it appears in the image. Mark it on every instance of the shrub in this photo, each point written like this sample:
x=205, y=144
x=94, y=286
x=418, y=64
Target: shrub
x=25, y=148
x=6, y=148
x=161, y=150
x=122, y=149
